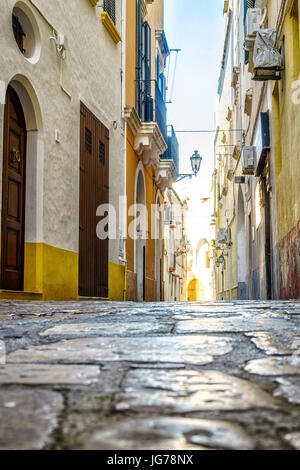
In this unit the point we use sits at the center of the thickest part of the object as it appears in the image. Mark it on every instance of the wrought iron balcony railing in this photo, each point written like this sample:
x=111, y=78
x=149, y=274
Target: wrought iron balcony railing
x=172, y=153
x=161, y=111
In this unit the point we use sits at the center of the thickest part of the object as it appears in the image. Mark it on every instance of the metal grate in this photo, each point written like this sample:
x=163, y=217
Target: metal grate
x=88, y=140
x=18, y=33
x=110, y=7
x=102, y=152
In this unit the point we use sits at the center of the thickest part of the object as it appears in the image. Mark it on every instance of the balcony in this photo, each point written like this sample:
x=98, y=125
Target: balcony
x=169, y=162
x=172, y=153
x=160, y=111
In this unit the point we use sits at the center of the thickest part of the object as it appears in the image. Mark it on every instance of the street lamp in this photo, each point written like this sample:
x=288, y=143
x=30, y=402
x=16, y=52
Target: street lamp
x=196, y=161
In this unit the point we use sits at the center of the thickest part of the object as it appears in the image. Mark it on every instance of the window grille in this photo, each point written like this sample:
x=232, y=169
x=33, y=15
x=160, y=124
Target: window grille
x=88, y=141
x=18, y=33
x=102, y=152
x=110, y=7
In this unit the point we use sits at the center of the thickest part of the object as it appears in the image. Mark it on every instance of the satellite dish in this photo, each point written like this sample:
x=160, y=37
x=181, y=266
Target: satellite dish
x=261, y=3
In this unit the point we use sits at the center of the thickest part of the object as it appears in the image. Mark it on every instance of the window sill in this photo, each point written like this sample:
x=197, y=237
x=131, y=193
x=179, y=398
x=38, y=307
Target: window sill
x=93, y=2
x=110, y=27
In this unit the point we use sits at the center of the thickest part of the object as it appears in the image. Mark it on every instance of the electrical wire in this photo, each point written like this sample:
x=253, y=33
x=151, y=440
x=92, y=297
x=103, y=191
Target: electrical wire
x=202, y=131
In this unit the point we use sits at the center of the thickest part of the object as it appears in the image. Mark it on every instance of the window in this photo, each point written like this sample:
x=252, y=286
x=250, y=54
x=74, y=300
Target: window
x=143, y=96
x=88, y=141
x=26, y=32
x=110, y=7
x=18, y=33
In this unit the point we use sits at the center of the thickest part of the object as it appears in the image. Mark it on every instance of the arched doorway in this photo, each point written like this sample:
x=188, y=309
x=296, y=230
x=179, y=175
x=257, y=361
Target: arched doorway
x=22, y=188
x=13, y=194
x=195, y=290
x=242, y=250
x=141, y=235
x=158, y=248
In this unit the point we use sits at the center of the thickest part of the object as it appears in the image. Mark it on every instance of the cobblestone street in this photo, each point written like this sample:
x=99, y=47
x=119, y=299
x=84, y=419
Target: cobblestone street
x=150, y=376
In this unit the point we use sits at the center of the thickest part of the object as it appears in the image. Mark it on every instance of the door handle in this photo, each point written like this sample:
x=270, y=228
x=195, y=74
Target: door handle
x=15, y=156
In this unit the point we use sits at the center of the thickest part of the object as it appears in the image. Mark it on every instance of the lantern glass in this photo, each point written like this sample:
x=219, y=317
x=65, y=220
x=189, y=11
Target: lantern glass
x=196, y=161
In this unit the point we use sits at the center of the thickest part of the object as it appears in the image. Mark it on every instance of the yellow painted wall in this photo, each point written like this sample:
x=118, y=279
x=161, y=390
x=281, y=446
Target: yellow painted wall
x=116, y=282
x=51, y=273
x=287, y=118
x=155, y=19
x=60, y=274
x=130, y=52
x=132, y=162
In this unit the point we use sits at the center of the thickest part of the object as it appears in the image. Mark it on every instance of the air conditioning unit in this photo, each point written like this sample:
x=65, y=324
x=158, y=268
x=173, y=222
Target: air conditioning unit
x=268, y=61
x=253, y=25
x=249, y=160
x=222, y=238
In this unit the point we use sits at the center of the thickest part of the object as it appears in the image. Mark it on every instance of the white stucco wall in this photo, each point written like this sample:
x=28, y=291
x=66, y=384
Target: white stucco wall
x=91, y=74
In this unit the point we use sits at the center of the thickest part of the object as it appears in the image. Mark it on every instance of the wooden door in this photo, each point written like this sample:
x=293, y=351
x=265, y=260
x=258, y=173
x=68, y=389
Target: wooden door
x=94, y=191
x=13, y=194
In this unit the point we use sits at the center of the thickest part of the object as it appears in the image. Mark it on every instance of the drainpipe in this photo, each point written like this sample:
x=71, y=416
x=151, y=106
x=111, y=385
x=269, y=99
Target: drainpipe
x=123, y=103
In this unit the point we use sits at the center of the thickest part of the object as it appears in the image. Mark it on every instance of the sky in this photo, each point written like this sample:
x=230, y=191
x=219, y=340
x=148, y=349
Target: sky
x=196, y=27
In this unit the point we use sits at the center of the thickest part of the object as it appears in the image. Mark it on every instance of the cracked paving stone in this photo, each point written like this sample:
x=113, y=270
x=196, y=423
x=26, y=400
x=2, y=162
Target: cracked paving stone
x=108, y=329
x=189, y=391
x=289, y=388
x=159, y=433
x=28, y=418
x=230, y=325
x=274, y=366
x=172, y=349
x=276, y=344
x=48, y=374
x=293, y=439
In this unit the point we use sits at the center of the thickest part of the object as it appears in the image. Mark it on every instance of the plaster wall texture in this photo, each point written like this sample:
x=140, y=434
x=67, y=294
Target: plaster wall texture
x=91, y=74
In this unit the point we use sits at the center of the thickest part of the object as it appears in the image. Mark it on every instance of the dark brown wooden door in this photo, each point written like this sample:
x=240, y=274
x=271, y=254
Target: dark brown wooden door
x=94, y=191
x=13, y=194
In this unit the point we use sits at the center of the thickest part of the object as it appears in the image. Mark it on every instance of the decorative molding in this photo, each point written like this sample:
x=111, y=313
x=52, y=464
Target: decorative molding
x=110, y=27
x=148, y=139
x=94, y=2
x=166, y=174
x=144, y=8
x=132, y=118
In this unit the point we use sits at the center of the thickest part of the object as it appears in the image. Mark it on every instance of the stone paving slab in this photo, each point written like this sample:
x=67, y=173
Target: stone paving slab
x=28, y=417
x=289, y=388
x=294, y=440
x=275, y=366
x=115, y=375
x=167, y=434
x=108, y=329
x=283, y=342
x=189, y=391
x=185, y=349
x=48, y=374
x=232, y=325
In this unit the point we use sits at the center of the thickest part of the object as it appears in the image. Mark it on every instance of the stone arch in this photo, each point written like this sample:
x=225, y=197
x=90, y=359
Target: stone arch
x=242, y=248
x=195, y=290
x=140, y=232
x=34, y=179
x=158, y=247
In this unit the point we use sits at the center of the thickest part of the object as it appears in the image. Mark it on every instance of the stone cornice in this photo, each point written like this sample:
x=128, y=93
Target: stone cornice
x=148, y=139
x=166, y=174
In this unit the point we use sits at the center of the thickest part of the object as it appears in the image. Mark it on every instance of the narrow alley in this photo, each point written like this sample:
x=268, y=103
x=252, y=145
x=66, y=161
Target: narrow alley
x=132, y=376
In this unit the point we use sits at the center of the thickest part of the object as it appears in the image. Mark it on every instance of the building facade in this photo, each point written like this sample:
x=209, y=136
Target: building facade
x=256, y=196
x=62, y=148
x=151, y=165
x=176, y=246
